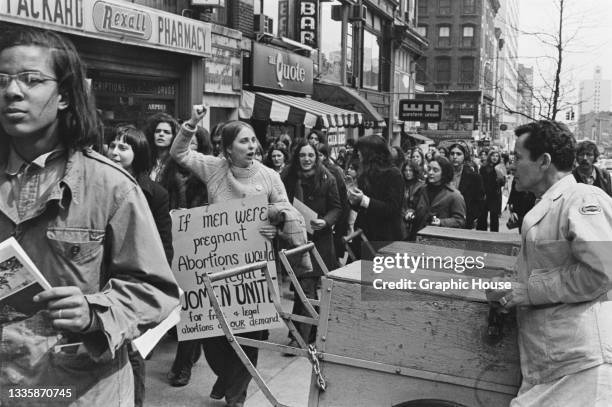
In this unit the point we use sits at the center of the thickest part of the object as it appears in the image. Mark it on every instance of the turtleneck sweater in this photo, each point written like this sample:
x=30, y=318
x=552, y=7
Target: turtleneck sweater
x=224, y=180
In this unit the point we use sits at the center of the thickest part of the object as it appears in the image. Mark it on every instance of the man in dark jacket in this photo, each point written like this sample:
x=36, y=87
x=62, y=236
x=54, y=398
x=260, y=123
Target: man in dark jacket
x=587, y=173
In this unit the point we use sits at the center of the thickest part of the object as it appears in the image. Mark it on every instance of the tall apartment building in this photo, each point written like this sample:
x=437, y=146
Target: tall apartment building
x=459, y=66
x=525, y=93
x=594, y=94
x=506, y=98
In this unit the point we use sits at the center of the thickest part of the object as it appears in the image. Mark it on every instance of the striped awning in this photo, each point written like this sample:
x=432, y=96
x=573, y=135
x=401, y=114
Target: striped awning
x=295, y=110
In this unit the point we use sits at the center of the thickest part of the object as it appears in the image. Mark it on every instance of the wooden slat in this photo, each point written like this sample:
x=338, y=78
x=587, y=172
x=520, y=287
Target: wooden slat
x=493, y=242
x=422, y=331
x=494, y=264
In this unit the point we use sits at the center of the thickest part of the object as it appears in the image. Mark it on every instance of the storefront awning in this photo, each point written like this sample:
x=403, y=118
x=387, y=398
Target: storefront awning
x=348, y=98
x=295, y=110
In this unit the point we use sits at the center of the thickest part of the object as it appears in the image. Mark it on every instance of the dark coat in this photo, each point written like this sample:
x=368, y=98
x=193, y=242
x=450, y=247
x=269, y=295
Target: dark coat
x=382, y=219
x=602, y=179
x=341, y=227
x=492, y=183
x=320, y=194
x=157, y=198
x=448, y=205
x=472, y=190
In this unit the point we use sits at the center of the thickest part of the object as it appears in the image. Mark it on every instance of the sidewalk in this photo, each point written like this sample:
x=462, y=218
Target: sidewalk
x=287, y=377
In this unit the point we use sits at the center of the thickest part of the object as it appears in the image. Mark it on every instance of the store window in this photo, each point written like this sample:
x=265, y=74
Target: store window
x=444, y=36
x=131, y=100
x=467, y=70
x=330, y=45
x=371, y=61
x=443, y=69
x=467, y=39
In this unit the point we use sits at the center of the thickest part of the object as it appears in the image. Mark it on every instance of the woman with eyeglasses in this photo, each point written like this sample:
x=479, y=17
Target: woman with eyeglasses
x=86, y=224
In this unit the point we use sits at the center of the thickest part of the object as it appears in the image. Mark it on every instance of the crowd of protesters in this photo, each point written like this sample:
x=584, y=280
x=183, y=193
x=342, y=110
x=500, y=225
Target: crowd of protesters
x=386, y=192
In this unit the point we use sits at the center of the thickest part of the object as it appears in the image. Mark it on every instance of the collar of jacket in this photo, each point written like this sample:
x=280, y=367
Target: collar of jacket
x=541, y=208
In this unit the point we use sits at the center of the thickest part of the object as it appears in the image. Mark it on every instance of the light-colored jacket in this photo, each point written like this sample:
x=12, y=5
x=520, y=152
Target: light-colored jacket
x=96, y=232
x=566, y=262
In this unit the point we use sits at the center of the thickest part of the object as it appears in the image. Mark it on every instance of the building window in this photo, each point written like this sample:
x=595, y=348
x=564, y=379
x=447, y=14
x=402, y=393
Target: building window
x=371, y=61
x=423, y=7
x=444, y=36
x=443, y=69
x=467, y=70
x=467, y=39
x=422, y=30
x=421, y=69
x=444, y=7
x=469, y=7
x=330, y=45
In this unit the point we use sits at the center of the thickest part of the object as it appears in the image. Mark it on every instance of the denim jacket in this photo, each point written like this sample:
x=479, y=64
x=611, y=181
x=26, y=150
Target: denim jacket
x=95, y=232
x=566, y=263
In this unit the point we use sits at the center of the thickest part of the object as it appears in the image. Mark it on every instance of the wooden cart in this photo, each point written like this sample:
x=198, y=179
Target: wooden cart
x=409, y=347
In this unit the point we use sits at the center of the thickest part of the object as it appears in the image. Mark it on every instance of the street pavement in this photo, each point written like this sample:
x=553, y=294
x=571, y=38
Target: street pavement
x=288, y=377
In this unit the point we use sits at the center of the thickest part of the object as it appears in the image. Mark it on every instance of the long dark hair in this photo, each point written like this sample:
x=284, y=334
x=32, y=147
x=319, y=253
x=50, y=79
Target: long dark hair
x=78, y=123
x=375, y=157
x=417, y=171
x=152, y=122
x=291, y=174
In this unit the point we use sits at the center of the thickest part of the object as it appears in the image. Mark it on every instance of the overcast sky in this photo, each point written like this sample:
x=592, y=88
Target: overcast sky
x=589, y=20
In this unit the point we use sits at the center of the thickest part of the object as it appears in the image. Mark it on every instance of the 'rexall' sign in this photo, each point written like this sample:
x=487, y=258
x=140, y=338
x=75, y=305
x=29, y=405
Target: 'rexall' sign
x=411, y=110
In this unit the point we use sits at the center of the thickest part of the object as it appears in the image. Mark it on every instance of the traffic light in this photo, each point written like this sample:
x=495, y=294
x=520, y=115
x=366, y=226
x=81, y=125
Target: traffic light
x=573, y=116
x=567, y=115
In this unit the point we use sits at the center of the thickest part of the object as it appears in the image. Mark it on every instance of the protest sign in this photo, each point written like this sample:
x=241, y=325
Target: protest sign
x=219, y=237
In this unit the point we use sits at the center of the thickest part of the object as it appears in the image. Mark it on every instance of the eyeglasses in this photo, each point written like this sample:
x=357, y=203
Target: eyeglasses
x=25, y=80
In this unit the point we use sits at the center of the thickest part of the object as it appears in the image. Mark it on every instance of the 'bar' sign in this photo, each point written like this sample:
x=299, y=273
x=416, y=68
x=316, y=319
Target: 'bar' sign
x=420, y=110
